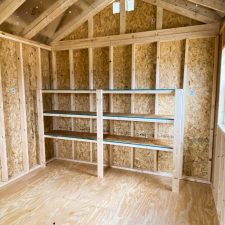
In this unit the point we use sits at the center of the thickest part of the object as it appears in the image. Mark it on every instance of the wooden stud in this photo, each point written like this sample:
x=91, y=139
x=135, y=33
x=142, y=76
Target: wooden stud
x=111, y=86
x=159, y=18
x=178, y=142
x=72, y=96
x=133, y=86
x=213, y=108
x=91, y=80
x=157, y=85
x=100, y=158
x=55, y=97
x=40, y=109
x=122, y=16
x=19, y=52
x=3, y=152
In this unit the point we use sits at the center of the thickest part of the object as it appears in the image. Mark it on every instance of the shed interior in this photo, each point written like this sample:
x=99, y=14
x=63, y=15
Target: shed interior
x=112, y=117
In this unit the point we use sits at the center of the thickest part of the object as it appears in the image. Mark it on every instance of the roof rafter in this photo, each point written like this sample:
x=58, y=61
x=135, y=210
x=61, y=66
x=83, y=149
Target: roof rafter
x=188, y=9
x=216, y=5
x=8, y=7
x=91, y=10
x=47, y=17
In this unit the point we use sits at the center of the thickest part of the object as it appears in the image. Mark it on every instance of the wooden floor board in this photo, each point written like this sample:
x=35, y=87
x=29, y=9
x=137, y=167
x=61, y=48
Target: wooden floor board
x=69, y=193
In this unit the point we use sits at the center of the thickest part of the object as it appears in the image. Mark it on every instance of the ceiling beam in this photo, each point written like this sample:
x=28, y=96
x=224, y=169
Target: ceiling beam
x=47, y=17
x=215, y=5
x=72, y=25
x=8, y=7
x=187, y=9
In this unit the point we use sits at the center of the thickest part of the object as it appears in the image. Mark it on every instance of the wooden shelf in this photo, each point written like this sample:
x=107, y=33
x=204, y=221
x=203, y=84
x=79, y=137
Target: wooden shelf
x=113, y=116
x=135, y=142
x=68, y=91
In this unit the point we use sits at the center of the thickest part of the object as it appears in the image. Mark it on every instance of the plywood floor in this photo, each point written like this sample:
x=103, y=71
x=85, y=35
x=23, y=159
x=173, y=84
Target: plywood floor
x=70, y=194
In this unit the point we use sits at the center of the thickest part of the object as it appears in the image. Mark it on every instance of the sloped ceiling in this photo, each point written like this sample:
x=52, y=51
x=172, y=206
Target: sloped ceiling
x=30, y=10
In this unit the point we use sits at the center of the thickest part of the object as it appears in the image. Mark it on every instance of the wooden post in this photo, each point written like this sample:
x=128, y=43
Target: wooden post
x=133, y=86
x=157, y=85
x=40, y=110
x=178, y=142
x=159, y=18
x=72, y=97
x=91, y=80
x=100, y=158
x=55, y=98
x=19, y=52
x=213, y=108
x=122, y=17
x=111, y=86
x=3, y=152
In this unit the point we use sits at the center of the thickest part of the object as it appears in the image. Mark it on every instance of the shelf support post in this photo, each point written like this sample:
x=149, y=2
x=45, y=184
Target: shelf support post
x=178, y=141
x=100, y=158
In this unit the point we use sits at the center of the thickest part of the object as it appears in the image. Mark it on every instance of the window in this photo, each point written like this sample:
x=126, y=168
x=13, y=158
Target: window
x=129, y=5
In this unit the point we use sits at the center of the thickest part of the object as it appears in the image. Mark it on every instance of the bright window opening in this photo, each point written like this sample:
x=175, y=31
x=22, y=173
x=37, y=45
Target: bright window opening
x=129, y=6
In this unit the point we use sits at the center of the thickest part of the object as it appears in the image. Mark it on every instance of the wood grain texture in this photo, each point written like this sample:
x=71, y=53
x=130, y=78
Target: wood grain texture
x=67, y=193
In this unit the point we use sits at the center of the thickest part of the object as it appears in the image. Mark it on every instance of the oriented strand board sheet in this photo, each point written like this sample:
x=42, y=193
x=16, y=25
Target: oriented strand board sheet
x=198, y=106
x=106, y=23
x=64, y=103
x=145, y=63
x=30, y=83
x=172, y=20
x=79, y=33
x=11, y=104
x=171, y=76
x=143, y=18
x=47, y=100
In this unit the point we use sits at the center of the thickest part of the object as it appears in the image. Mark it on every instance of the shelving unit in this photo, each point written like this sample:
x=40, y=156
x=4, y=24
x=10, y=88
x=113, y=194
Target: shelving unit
x=175, y=146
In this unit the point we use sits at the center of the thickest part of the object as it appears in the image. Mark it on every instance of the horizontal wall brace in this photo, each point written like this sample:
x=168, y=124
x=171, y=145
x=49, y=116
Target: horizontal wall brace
x=191, y=32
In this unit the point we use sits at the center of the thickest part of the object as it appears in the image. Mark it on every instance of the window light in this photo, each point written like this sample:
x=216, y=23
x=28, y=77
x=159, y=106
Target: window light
x=129, y=6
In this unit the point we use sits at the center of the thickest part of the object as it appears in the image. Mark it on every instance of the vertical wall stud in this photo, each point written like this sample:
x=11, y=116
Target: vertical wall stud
x=213, y=107
x=133, y=86
x=178, y=141
x=91, y=80
x=159, y=18
x=3, y=152
x=157, y=85
x=111, y=86
x=72, y=97
x=100, y=160
x=122, y=17
x=40, y=109
x=19, y=52
x=55, y=98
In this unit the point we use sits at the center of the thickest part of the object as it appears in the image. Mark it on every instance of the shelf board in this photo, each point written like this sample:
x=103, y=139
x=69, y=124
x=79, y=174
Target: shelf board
x=113, y=116
x=135, y=142
x=139, y=91
x=68, y=91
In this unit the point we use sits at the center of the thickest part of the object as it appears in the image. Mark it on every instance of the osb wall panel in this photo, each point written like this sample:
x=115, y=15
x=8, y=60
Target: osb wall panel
x=143, y=18
x=172, y=20
x=145, y=62
x=11, y=107
x=63, y=82
x=198, y=105
x=47, y=100
x=121, y=103
x=106, y=23
x=171, y=76
x=81, y=77
x=30, y=83
x=79, y=33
